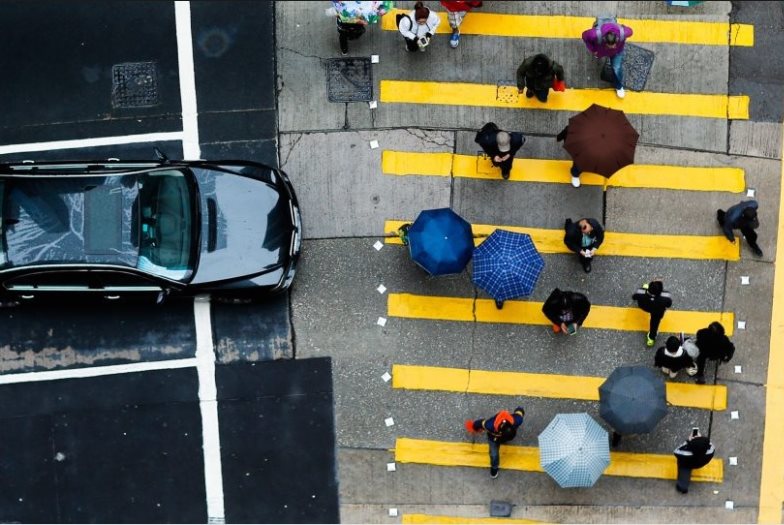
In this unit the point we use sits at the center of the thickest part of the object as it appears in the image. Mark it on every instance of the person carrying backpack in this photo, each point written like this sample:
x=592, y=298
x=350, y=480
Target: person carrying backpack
x=501, y=428
x=714, y=345
x=418, y=27
x=606, y=39
x=652, y=298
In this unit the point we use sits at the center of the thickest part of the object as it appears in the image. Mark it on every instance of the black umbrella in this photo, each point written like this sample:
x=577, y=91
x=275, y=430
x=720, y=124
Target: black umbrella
x=633, y=400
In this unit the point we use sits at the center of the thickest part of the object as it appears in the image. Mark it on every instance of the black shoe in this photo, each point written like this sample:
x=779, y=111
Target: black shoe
x=529, y=93
x=493, y=472
x=756, y=250
x=700, y=380
x=616, y=439
x=720, y=217
x=505, y=175
x=587, y=267
x=681, y=490
x=499, y=304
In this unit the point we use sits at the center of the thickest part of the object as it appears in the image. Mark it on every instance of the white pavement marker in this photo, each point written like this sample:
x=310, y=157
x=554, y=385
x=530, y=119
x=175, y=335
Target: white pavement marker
x=190, y=121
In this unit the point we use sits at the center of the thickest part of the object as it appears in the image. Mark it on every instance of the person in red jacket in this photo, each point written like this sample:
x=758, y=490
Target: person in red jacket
x=456, y=11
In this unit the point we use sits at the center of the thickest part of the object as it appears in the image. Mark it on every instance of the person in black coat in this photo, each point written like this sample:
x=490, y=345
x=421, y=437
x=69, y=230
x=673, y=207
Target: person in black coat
x=713, y=344
x=695, y=453
x=655, y=300
x=743, y=217
x=672, y=358
x=500, y=146
x=348, y=31
x=584, y=237
x=566, y=310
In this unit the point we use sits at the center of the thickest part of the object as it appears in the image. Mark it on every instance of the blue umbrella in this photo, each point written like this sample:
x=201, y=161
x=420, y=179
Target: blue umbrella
x=574, y=450
x=441, y=241
x=507, y=265
x=633, y=399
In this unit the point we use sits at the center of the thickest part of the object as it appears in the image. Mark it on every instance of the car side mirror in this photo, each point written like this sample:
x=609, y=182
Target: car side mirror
x=162, y=295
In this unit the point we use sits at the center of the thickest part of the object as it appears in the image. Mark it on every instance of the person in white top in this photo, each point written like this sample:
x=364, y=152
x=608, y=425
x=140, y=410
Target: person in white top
x=418, y=27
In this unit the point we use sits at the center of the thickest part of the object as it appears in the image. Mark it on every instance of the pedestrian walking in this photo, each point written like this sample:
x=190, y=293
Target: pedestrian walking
x=672, y=358
x=353, y=18
x=694, y=453
x=652, y=298
x=743, y=217
x=566, y=310
x=606, y=39
x=348, y=31
x=501, y=428
x=537, y=74
x=456, y=10
x=575, y=169
x=418, y=27
x=501, y=146
x=583, y=237
x=713, y=344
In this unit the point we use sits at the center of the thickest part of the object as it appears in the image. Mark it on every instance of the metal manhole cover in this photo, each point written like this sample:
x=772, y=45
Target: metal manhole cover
x=349, y=80
x=637, y=64
x=134, y=85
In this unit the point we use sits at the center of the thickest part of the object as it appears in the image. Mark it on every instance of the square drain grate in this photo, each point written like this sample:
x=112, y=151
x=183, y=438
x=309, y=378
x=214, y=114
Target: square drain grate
x=637, y=64
x=134, y=85
x=349, y=80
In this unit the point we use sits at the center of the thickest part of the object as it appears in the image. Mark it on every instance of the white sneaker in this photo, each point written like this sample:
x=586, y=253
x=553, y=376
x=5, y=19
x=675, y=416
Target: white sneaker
x=576, y=182
x=620, y=92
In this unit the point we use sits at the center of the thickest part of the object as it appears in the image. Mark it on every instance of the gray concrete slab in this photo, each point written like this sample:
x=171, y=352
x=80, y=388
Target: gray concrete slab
x=342, y=189
x=755, y=139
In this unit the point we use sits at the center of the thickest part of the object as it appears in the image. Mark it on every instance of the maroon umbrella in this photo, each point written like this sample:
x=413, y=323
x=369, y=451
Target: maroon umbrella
x=601, y=140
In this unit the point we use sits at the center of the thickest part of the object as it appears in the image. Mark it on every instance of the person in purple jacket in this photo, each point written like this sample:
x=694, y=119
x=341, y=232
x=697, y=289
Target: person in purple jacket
x=607, y=40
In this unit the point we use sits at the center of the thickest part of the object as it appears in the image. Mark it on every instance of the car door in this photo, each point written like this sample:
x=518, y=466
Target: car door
x=81, y=285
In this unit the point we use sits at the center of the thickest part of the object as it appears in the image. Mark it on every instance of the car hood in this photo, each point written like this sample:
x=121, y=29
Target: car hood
x=246, y=227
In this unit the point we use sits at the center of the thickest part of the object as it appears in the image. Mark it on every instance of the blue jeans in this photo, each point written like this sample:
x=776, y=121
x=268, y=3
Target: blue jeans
x=495, y=457
x=617, y=66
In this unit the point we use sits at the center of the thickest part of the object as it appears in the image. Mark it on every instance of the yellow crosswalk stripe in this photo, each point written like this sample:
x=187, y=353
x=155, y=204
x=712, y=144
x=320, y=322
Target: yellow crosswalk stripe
x=492, y=95
x=466, y=309
x=553, y=386
x=628, y=464
x=650, y=176
x=435, y=518
x=555, y=26
x=620, y=244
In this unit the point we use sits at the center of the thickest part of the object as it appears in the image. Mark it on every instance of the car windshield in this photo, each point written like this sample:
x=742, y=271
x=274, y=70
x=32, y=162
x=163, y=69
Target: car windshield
x=167, y=238
x=143, y=221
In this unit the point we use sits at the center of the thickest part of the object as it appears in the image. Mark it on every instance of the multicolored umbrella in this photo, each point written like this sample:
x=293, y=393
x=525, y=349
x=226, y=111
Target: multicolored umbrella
x=601, y=140
x=574, y=450
x=441, y=241
x=684, y=3
x=361, y=12
x=633, y=399
x=507, y=265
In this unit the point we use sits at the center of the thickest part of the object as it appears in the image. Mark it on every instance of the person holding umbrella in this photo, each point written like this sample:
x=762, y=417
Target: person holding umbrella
x=583, y=238
x=501, y=428
x=566, y=310
x=537, y=74
x=501, y=146
x=600, y=140
x=694, y=453
x=440, y=241
x=652, y=298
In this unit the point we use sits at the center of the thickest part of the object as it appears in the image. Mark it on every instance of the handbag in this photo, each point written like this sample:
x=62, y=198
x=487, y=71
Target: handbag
x=558, y=85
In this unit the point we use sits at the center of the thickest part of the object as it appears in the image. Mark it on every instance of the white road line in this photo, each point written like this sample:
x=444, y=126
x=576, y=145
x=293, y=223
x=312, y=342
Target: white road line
x=205, y=357
x=96, y=371
x=190, y=122
x=91, y=142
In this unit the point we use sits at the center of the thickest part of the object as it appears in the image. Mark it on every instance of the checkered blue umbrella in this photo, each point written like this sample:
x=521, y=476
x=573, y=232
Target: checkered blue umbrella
x=574, y=450
x=441, y=241
x=507, y=265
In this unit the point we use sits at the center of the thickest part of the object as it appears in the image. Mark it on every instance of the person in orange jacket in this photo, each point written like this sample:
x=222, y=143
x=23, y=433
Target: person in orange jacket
x=501, y=428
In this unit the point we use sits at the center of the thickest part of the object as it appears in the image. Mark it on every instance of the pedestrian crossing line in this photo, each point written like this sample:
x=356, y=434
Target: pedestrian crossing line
x=648, y=176
x=620, y=244
x=626, y=464
x=635, y=102
x=555, y=26
x=436, y=518
x=552, y=386
x=467, y=309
